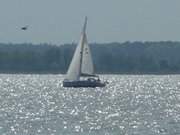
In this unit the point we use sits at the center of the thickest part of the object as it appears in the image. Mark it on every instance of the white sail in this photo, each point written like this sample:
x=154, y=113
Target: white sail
x=82, y=66
x=74, y=70
x=87, y=63
x=81, y=63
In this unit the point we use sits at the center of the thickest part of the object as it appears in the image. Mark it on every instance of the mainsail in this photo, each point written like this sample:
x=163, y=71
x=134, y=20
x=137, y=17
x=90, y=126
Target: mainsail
x=81, y=63
x=87, y=63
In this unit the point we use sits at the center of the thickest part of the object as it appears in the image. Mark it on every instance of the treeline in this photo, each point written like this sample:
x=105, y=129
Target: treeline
x=128, y=57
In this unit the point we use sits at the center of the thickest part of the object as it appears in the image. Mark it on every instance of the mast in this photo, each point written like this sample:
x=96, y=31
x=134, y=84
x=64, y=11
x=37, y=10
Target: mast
x=82, y=44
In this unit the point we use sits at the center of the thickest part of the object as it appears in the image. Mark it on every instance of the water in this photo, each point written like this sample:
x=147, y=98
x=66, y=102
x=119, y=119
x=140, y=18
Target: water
x=129, y=105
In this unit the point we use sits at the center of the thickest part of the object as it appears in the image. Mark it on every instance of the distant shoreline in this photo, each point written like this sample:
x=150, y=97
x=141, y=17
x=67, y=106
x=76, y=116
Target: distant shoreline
x=136, y=58
x=56, y=73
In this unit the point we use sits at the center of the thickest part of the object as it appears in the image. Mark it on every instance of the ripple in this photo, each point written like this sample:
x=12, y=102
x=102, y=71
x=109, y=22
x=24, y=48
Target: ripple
x=130, y=104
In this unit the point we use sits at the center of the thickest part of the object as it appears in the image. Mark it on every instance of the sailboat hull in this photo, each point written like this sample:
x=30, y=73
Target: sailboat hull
x=83, y=83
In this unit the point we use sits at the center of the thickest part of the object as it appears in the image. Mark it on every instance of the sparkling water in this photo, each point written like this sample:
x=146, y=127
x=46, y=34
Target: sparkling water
x=128, y=105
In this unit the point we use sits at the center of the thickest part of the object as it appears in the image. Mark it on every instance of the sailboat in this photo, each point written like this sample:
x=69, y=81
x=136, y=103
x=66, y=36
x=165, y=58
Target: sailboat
x=81, y=69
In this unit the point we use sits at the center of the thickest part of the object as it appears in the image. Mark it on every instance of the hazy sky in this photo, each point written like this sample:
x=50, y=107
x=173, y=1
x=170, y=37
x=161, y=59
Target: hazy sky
x=60, y=21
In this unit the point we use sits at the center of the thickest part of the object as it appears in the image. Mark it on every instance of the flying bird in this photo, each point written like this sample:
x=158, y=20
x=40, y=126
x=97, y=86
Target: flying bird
x=24, y=28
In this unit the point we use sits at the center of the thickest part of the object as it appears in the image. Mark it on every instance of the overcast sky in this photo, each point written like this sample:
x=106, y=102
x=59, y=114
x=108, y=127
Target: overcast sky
x=60, y=21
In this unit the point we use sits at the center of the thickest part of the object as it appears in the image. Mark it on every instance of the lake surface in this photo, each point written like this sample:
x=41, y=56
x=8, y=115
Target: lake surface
x=129, y=105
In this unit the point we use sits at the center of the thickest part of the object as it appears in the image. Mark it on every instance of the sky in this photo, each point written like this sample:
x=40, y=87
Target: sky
x=60, y=21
